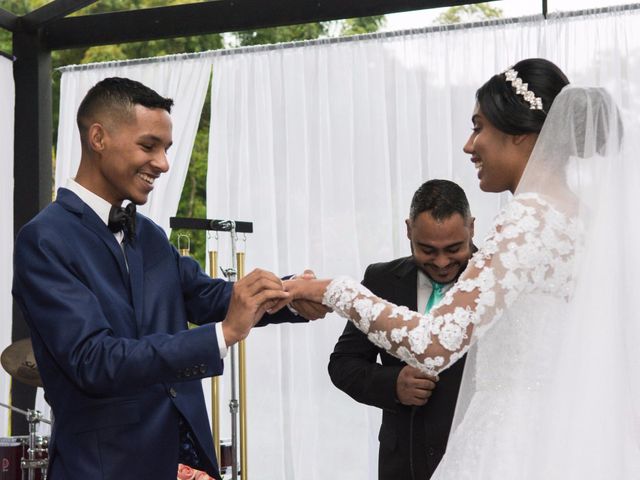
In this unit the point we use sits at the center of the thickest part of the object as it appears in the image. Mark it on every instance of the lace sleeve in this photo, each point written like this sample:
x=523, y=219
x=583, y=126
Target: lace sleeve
x=531, y=247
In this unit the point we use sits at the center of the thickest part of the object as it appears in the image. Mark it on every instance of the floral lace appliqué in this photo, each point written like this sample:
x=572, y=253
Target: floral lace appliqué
x=530, y=249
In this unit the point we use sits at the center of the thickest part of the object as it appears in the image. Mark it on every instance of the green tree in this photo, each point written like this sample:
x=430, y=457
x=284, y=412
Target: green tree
x=362, y=25
x=310, y=31
x=290, y=33
x=468, y=13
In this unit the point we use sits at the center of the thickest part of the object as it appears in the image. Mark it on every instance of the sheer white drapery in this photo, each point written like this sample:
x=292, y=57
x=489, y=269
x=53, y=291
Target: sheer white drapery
x=7, y=103
x=183, y=79
x=322, y=146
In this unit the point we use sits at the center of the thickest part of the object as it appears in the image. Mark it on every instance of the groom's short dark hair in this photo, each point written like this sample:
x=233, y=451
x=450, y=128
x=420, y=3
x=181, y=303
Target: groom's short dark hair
x=116, y=97
x=441, y=198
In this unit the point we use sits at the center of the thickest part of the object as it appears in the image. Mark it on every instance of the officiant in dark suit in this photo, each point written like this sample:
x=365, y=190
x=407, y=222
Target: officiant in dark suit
x=108, y=300
x=417, y=409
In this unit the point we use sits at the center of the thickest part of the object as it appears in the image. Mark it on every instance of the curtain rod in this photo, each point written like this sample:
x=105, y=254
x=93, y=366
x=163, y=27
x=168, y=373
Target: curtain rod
x=353, y=38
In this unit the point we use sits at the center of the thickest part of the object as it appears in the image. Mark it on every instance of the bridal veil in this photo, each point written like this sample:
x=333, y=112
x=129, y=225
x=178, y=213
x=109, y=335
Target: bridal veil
x=585, y=164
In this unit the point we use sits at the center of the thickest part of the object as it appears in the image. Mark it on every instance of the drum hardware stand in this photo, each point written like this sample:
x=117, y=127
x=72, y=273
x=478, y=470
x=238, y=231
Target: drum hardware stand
x=32, y=463
x=237, y=406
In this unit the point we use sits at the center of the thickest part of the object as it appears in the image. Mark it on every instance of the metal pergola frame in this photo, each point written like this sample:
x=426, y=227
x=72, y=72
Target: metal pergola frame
x=48, y=28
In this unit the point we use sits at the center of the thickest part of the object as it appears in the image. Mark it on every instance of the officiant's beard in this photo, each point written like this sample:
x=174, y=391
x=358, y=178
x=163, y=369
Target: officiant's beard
x=453, y=271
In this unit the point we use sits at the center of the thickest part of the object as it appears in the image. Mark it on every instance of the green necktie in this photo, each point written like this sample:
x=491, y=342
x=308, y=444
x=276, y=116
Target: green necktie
x=436, y=295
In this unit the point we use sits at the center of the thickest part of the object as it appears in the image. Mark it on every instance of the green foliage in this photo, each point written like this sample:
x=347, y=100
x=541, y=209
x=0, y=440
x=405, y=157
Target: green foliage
x=468, y=13
x=5, y=41
x=291, y=33
x=193, y=199
x=310, y=31
x=192, y=202
x=362, y=25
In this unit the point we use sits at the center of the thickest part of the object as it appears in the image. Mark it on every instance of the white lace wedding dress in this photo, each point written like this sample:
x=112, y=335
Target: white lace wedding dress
x=551, y=391
x=510, y=294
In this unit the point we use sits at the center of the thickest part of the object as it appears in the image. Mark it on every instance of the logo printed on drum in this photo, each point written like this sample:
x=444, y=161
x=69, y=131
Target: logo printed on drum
x=5, y=464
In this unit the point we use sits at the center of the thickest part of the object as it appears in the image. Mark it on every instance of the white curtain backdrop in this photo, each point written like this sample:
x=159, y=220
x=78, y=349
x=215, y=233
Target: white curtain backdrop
x=7, y=102
x=183, y=79
x=321, y=146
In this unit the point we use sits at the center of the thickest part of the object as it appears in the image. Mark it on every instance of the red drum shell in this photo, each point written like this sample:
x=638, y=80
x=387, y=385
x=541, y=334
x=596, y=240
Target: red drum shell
x=13, y=450
x=226, y=458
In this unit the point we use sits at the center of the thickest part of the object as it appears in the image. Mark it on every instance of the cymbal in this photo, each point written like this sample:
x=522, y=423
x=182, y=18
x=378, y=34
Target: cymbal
x=19, y=362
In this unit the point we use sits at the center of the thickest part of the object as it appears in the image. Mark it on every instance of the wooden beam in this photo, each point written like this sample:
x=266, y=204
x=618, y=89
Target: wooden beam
x=52, y=11
x=8, y=20
x=33, y=126
x=32, y=168
x=215, y=17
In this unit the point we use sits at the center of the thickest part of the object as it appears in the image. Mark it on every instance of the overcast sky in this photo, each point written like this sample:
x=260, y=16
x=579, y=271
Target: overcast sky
x=511, y=8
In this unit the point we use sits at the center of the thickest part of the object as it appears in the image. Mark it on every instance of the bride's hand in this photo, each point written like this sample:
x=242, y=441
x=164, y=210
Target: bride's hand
x=304, y=289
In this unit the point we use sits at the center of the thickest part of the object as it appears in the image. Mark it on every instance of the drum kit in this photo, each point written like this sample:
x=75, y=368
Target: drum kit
x=23, y=457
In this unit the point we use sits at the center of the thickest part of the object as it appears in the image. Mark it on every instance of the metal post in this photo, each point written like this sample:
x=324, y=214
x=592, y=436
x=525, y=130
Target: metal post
x=243, y=387
x=32, y=166
x=215, y=381
x=233, y=403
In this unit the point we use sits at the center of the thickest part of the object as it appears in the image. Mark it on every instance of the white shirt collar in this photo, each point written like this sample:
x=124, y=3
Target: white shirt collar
x=96, y=203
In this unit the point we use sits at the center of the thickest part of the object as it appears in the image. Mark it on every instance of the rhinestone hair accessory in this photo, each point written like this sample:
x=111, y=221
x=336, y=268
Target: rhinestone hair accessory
x=535, y=103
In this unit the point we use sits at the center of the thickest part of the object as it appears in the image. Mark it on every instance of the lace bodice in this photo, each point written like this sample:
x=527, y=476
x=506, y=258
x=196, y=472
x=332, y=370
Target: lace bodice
x=530, y=250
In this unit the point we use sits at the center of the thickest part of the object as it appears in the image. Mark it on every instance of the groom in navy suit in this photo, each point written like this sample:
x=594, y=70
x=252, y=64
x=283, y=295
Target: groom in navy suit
x=108, y=299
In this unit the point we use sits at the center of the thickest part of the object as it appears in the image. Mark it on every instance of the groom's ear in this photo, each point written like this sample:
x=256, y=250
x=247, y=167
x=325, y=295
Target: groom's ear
x=95, y=137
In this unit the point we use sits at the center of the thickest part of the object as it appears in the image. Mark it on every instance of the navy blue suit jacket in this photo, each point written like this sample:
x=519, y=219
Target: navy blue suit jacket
x=118, y=363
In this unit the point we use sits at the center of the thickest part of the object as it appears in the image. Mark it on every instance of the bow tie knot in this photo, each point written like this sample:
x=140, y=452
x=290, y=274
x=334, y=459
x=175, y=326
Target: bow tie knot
x=123, y=219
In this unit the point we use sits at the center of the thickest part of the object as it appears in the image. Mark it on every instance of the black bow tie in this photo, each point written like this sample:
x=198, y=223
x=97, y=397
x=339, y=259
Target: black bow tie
x=123, y=219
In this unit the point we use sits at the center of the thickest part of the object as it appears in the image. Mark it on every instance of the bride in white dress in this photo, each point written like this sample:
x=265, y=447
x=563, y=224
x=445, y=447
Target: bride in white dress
x=551, y=387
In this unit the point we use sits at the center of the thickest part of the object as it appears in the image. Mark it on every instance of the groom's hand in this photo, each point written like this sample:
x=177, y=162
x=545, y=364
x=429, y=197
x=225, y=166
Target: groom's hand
x=252, y=296
x=414, y=387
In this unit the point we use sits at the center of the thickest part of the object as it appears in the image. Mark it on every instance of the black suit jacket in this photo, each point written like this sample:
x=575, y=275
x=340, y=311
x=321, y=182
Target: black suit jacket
x=412, y=439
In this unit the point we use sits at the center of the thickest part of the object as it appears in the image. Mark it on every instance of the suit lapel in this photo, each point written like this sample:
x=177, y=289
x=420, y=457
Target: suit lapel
x=90, y=220
x=405, y=289
x=136, y=275
x=99, y=228
x=131, y=277
x=71, y=202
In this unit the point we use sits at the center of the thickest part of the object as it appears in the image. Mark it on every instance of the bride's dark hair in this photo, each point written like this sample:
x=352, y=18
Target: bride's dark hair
x=508, y=111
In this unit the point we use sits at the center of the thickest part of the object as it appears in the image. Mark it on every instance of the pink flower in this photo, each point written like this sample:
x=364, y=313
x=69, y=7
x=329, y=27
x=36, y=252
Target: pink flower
x=185, y=472
x=202, y=476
